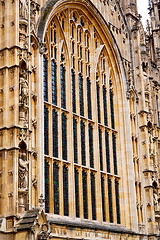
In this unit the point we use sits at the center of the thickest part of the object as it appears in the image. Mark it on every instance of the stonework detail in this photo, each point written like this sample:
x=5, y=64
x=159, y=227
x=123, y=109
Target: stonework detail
x=79, y=120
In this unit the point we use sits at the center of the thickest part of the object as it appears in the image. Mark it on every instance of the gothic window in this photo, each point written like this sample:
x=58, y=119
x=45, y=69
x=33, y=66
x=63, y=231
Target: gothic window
x=63, y=86
x=83, y=148
x=107, y=151
x=45, y=78
x=65, y=191
x=46, y=147
x=85, y=197
x=73, y=91
x=81, y=100
x=56, y=188
x=76, y=178
x=100, y=149
x=103, y=198
x=46, y=187
x=75, y=140
x=54, y=82
x=89, y=99
x=111, y=106
x=158, y=112
x=93, y=196
x=64, y=137
x=98, y=103
x=55, y=133
x=117, y=201
x=73, y=87
x=114, y=153
x=105, y=106
x=110, y=200
x=91, y=155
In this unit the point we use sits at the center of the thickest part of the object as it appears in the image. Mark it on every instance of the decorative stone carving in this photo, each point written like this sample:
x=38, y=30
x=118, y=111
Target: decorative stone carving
x=23, y=9
x=23, y=172
x=155, y=199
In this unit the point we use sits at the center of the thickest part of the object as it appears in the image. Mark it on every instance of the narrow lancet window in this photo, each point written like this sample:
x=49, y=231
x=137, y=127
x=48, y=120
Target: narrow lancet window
x=46, y=144
x=89, y=99
x=55, y=133
x=73, y=91
x=75, y=146
x=110, y=200
x=91, y=155
x=45, y=78
x=117, y=201
x=114, y=153
x=105, y=106
x=63, y=87
x=54, y=82
x=93, y=196
x=65, y=191
x=83, y=147
x=100, y=149
x=76, y=177
x=64, y=137
x=46, y=187
x=81, y=100
x=56, y=188
x=98, y=103
x=103, y=198
x=107, y=151
x=85, y=195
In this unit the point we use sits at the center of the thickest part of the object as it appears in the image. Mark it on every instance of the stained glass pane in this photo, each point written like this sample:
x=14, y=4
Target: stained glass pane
x=91, y=155
x=89, y=99
x=65, y=191
x=45, y=78
x=75, y=140
x=46, y=187
x=46, y=144
x=110, y=200
x=76, y=177
x=81, y=100
x=98, y=103
x=56, y=188
x=100, y=149
x=85, y=197
x=105, y=106
x=63, y=87
x=103, y=199
x=55, y=133
x=83, y=148
x=117, y=201
x=64, y=137
x=114, y=153
x=73, y=91
x=93, y=196
x=54, y=82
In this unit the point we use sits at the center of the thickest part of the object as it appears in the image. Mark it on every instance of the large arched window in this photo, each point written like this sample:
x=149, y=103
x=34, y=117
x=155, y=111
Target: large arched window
x=79, y=121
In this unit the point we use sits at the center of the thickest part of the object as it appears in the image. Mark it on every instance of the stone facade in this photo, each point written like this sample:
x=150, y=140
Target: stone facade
x=79, y=96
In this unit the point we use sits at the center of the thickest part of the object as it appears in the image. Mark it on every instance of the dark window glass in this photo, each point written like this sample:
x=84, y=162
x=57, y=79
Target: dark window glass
x=85, y=197
x=63, y=87
x=65, y=191
x=64, y=137
x=81, y=95
x=100, y=149
x=107, y=151
x=91, y=155
x=76, y=177
x=112, y=108
x=117, y=201
x=73, y=91
x=72, y=30
x=46, y=187
x=89, y=99
x=55, y=133
x=56, y=188
x=72, y=47
x=105, y=106
x=75, y=140
x=54, y=36
x=46, y=147
x=110, y=200
x=98, y=103
x=158, y=111
x=45, y=78
x=114, y=153
x=54, y=82
x=93, y=196
x=83, y=148
x=103, y=199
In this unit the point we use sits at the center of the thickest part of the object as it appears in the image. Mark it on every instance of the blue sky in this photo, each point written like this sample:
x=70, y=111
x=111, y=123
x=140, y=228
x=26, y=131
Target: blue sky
x=142, y=9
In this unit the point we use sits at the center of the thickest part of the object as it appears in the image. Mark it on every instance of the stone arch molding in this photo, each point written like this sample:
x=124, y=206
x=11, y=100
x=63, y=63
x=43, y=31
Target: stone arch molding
x=54, y=6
